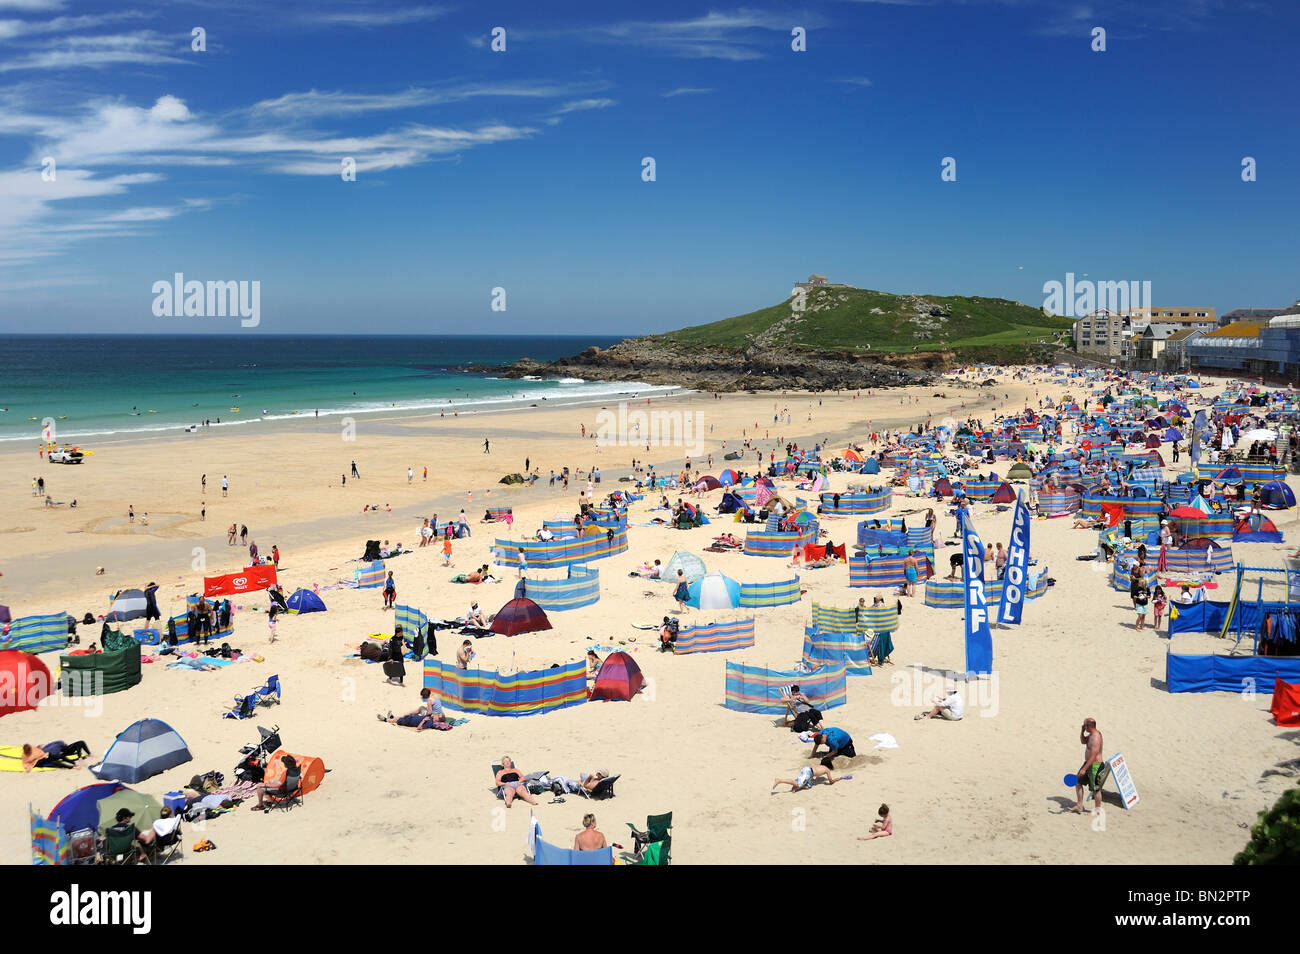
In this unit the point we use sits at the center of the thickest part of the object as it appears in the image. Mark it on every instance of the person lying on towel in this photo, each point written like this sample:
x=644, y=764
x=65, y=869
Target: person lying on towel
x=55, y=754
x=427, y=716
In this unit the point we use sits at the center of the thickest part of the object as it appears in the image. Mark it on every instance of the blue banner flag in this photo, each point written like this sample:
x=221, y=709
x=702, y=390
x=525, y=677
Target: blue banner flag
x=1194, y=451
x=979, y=641
x=1015, y=579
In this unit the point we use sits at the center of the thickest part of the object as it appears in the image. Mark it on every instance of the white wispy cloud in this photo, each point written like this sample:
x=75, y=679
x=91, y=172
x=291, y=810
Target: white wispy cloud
x=32, y=6
x=736, y=36
x=584, y=104
x=689, y=91
x=854, y=81
x=369, y=17
x=15, y=29
x=97, y=52
x=316, y=103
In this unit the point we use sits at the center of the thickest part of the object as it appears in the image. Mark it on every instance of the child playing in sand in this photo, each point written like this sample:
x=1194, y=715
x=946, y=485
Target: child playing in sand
x=883, y=825
x=807, y=775
x=1158, y=603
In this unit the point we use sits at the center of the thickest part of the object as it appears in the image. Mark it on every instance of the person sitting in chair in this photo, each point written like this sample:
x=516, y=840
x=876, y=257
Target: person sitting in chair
x=511, y=784
x=292, y=780
x=124, y=824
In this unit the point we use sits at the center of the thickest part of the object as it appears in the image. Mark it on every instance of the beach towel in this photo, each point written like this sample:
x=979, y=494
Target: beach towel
x=884, y=740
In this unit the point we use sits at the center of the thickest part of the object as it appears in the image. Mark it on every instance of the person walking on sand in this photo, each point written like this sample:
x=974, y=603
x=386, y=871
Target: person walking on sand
x=390, y=591
x=410, y=475
x=203, y=510
x=446, y=549
x=203, y=483
x=231, y=534
x=1094, y=770
x=252, y=552
x=354, y=471
x=225, y=485
x=487, y=447
x=426, y=473
x=130, y=514
x=243, y=534
x=275, y=555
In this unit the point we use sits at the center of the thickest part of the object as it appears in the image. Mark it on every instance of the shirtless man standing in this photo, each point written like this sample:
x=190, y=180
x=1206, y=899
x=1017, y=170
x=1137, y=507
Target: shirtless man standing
x=589, y=839
x=1094, y=770
x=911, y=571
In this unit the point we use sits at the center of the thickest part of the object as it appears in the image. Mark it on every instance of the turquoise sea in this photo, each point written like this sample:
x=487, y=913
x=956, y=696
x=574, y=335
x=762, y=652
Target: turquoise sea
x=97, y=386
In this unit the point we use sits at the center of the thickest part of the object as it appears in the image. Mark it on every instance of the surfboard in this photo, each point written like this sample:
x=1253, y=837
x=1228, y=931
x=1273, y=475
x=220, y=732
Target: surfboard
x=11, y=760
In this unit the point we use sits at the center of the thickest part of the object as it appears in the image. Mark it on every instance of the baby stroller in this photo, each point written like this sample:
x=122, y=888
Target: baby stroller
x=256, y=755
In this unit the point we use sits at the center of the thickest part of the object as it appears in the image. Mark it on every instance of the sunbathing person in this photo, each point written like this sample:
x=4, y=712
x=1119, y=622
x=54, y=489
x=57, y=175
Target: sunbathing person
x=475, y=616
x=650, y=571
x=593, y=662
x=511, y=784
x=589, y=781
x=425, y=717
x=53, y=755
x=807, y=775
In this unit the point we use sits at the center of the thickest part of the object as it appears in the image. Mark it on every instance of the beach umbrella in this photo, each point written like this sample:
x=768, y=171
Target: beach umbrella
x=519, y=616
x=144, y=808
x=127, y=604
x=305, y=601
x=80, y=809
x=692, y=567
x=1186, y=513
x=714, y=591
x=24, y=681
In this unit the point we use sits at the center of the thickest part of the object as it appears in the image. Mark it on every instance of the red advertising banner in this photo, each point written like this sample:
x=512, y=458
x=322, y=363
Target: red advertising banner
x=245, y=581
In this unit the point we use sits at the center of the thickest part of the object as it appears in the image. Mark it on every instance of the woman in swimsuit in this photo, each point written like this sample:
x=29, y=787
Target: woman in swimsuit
x=511, y=783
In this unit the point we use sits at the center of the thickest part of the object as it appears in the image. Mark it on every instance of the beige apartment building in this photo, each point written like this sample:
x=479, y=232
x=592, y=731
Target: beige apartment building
x=1101, y=334
x=1201, y=318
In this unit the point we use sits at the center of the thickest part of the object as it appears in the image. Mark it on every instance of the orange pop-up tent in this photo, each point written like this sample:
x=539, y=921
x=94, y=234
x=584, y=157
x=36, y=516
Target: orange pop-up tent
x=312, y=769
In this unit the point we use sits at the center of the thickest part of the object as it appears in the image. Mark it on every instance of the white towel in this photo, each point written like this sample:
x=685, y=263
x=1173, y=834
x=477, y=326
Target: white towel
x=884, y=740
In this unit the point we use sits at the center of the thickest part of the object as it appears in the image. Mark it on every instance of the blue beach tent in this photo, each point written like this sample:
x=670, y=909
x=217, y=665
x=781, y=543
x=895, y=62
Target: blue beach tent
x=145, y=749
x=305, y=601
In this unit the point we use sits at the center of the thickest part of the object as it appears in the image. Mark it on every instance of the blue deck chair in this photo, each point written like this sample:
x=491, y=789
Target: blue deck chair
x=268, y=694
x=244, y=706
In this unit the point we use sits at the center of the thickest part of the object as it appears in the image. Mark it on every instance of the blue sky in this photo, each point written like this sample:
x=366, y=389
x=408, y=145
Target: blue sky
x=522, y=169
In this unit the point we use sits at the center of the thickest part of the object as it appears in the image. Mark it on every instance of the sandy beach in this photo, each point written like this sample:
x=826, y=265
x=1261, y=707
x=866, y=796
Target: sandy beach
x=985, y=790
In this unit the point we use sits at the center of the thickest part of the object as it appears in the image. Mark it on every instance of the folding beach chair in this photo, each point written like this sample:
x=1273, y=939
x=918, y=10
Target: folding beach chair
x=658, y=831
x=164, y=849
x=604, y=788
x=288, y=794
x=268, y=694
x=121, y=846
x=244, y=706
x=81, y=847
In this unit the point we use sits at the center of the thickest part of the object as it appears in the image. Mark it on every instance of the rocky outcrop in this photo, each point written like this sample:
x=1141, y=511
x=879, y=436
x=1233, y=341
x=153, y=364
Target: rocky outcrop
x=653, y=361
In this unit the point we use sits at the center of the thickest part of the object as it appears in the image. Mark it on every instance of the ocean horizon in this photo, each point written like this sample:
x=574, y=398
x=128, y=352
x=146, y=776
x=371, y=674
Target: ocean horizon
x=89, y=386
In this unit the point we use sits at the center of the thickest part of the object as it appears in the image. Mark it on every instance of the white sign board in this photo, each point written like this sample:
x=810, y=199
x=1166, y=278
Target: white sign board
x=1123, y=781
